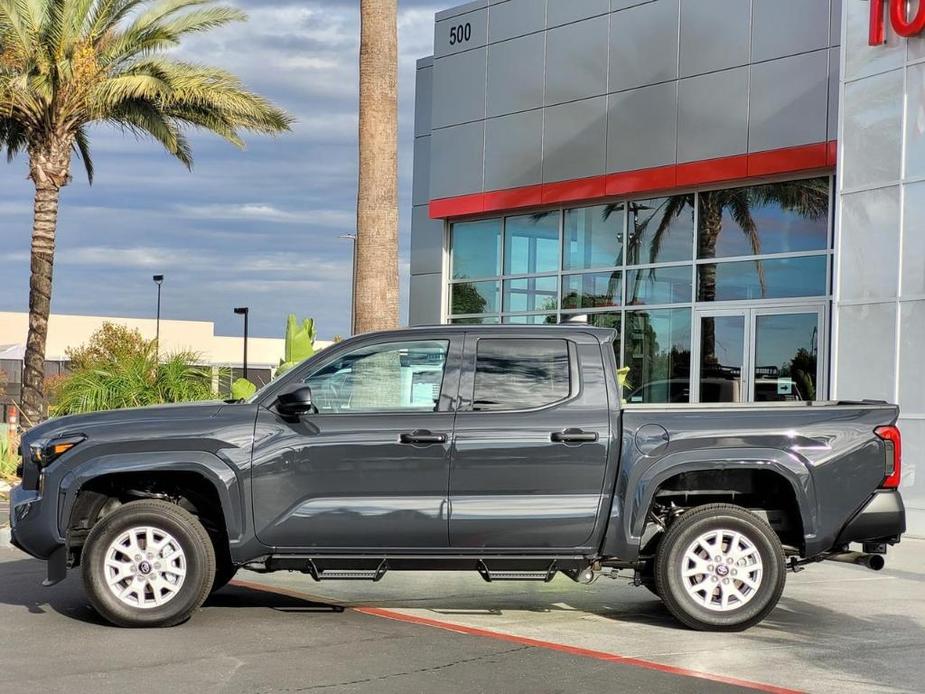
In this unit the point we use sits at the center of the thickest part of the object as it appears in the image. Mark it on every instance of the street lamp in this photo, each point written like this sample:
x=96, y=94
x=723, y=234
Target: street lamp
x=158, y=280
x=244, y=311
x=353, y=284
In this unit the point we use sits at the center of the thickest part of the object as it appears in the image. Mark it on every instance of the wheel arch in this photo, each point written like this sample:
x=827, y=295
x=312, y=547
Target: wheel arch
x=205, y=479
x=642, y=484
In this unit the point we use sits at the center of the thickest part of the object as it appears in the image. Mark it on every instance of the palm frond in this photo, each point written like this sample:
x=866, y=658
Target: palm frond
x=82, y=147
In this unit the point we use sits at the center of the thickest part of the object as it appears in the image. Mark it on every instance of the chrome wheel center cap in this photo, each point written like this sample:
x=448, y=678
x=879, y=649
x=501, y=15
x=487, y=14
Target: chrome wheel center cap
x=144, y=567
x=722, y=570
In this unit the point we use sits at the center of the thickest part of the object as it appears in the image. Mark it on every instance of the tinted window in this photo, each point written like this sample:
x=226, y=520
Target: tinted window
x=778, y=278
x=658, y=352
x=531, y=244
x=521, y=374
x=391, y=377
x=593, y=237
x=661, y=230
x=787, y=217
x=476, y=249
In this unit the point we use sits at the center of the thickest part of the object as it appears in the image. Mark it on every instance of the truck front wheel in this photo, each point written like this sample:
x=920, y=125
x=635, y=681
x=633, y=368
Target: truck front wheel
x=148, y=564
x=720, y=568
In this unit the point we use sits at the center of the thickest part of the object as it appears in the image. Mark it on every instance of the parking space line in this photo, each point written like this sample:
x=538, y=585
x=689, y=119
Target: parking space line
x=527, y=641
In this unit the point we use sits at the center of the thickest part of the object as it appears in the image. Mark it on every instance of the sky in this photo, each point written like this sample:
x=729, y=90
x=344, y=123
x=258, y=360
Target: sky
x=257, y=228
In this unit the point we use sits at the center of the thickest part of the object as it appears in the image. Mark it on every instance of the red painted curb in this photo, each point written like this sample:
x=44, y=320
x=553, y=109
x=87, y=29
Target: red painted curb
x=526, y=641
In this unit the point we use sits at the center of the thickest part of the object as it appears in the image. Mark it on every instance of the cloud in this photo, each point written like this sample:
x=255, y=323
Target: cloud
x=258, y=227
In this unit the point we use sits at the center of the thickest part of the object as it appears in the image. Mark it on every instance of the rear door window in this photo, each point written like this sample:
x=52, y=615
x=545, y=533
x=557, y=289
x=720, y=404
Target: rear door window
x=521, y=374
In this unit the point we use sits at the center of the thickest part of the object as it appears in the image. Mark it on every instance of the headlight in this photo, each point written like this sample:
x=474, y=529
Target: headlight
x=44, y=453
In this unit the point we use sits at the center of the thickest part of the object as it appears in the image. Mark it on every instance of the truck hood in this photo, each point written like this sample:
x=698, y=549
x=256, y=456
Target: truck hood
x=87, y=423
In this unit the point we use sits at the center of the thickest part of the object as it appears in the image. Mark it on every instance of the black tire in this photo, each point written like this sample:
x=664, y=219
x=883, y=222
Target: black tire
x=670, y=560
x=162, y=516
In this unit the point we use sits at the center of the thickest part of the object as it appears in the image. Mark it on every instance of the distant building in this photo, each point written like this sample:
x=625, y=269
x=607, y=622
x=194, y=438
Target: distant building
x=223, y=354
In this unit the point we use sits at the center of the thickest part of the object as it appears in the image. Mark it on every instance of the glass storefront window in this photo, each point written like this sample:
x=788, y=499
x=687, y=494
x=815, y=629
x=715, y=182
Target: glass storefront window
x=661, y=230
x=476, y=249
x=750, y=280
x=658, y=352
x=592, y=290
x=646, y=268
x=660, y=285
x=535, y=319
x=476, y=320
x=531, y=244
x=474, y=297
x=786, y=357
x=593, y=237
x=531, y=294
x=787, y=217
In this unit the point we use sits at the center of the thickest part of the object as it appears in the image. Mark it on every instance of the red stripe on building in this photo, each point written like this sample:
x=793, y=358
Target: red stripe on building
x=817, y=156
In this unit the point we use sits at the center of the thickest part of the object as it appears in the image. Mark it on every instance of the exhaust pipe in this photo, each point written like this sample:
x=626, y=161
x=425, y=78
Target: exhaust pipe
x=874, y=562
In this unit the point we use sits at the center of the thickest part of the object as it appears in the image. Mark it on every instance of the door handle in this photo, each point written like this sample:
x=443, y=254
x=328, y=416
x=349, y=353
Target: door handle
x=574, y=436
x=423, y=437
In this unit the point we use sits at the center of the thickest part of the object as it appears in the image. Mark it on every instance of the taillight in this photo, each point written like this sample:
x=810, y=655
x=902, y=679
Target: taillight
x=893, y=443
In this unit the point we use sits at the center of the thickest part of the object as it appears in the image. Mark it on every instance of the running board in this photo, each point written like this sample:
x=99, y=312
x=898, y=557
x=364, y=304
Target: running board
x=374, y=575
x=494, y=576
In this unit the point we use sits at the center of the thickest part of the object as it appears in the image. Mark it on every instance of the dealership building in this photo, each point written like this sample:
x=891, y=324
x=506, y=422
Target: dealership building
x=736, y=186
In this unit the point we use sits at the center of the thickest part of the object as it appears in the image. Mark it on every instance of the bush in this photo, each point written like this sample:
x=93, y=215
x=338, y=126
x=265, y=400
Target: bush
x=9, y=458
x=118, y=369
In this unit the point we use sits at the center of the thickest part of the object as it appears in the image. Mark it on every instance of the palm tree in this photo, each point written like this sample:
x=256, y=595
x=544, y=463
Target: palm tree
x=376, y=280
x=68, y=64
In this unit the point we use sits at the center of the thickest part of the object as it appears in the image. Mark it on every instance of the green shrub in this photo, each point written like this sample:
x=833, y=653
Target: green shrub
x=9, y=458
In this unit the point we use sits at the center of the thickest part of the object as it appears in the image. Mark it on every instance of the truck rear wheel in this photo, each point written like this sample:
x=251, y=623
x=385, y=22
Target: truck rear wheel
x=148, y=564
x=720, y=568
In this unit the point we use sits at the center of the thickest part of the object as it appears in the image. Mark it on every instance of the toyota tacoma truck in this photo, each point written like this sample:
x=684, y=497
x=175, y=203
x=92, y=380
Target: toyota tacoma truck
x=503, y=450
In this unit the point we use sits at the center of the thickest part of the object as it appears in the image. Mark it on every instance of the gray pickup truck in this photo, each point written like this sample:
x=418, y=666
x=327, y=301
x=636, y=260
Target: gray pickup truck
x=502, y=450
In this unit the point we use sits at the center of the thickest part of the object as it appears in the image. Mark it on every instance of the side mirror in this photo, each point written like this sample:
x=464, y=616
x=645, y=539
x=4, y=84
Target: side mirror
x=295, y=401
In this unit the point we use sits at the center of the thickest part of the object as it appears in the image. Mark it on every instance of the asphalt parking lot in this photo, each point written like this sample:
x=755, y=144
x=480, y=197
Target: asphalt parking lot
x=838, y=627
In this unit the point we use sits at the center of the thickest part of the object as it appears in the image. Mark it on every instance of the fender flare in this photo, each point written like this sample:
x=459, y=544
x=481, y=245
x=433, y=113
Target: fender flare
x=639, y=487
x=217, y=472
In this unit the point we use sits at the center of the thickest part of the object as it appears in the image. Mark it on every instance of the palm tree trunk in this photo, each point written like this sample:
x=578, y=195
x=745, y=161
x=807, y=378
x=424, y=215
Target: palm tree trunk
x=49, y=167
x=376, y=281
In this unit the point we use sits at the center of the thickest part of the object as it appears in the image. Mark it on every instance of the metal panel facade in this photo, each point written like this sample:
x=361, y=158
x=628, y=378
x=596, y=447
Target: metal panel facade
x=725, y=58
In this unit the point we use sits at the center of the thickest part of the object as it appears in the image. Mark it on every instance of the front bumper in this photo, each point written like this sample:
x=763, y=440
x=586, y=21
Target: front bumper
x=882, y=519
x=34, y=530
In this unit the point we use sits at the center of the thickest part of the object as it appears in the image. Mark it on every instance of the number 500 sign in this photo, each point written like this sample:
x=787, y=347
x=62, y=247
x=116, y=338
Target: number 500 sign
x=902, y=23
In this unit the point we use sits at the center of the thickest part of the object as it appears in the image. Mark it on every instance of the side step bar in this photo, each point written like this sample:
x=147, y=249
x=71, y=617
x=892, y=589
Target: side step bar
x=493, y=576
x=374, y=575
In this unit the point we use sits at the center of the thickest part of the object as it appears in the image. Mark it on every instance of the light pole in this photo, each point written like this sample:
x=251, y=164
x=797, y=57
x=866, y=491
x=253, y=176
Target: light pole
x=158, y=280
x=244, y=311
x=353, y=284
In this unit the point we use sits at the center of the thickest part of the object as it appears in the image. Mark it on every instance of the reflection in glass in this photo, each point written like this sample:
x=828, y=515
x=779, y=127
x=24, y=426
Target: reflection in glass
x=593, y=237
x=664, y=285
x=658, y=352
x=787, y=217
x=474, y=297
x=786, y=358
x=531, y=294
x=661, y=230
x=520, y=374
x=781, y=278
x=722, y=355
x=476, y=320
x=592, y=290
x=391, y=377
x=535, y=319
x=476, y=249
x=614, y=321
x=531, y=244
